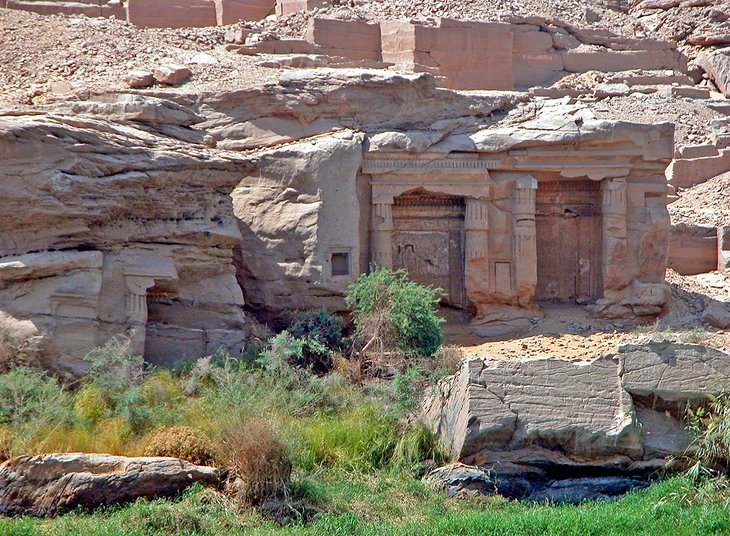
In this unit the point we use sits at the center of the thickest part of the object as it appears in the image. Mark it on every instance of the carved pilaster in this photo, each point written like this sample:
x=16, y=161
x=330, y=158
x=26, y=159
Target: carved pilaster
x=381, y=235
x=615, y=210
x=525, y=233
x=135, y=301
x=476, y=228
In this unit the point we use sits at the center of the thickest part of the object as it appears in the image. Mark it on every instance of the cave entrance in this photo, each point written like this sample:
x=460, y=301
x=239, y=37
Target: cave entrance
x=569, y=241
x=428, y=242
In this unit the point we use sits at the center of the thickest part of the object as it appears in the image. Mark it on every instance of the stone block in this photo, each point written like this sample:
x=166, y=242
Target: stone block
x=349, y=39
x=684, y=173
x=697, y=151
x=286, y=46
x=56, y=8
x=171, y=74
x=717, y=65
x=693, y=249
x=287, y=7
x=171, y=13
x=578, y=61
x=723, y=248
x=468, y=55
x=233, y=11
x=690, y=92
x=535, y=61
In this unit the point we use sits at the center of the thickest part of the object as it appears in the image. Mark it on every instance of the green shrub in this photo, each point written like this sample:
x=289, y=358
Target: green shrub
x=114, y=368
x=89, y=404
x=710, y=429
x=321, y=336
x=392, y=310
x=30, y=396
x=182, y=442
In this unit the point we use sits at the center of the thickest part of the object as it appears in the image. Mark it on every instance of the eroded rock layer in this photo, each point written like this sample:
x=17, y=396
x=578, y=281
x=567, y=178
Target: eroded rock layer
x=117, y=228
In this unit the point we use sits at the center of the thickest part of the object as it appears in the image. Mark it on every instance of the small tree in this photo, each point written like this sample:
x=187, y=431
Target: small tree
x=391, y=310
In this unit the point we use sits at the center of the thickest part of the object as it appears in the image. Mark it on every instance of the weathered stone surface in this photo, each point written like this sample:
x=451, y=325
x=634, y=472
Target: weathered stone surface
x=717, y=315
x=137, y=79
x=693, y=249
x=118, y=229
x=233, y=11
x=717, y=65
x=461, y=480
x=53, y=484
x=171, y=74
x=531, y=422
x=290, y=230
x=133, y=108
x=171, y=13
x=723, y=248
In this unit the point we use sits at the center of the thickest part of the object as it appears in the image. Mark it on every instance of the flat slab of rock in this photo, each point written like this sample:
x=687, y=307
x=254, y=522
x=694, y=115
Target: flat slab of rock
x=52, y=484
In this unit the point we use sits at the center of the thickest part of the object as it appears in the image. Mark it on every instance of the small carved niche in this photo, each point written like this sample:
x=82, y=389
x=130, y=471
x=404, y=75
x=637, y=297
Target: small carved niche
x=340, y=262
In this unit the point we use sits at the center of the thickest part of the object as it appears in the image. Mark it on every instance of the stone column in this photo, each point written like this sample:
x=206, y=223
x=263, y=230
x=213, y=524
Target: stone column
x=525, y=232
x=381, y=235
x=616, y=270
x=135, y=302
x=476, y=252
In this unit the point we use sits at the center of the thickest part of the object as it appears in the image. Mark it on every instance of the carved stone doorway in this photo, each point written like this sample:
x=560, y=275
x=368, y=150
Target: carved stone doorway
x=428, y=242
x=569, y=241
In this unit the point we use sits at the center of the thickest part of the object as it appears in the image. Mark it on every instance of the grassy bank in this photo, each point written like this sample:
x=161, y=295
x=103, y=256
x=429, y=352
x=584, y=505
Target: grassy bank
x=380, y=504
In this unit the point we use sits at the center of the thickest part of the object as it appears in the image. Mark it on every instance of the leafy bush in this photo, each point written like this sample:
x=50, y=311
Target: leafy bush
x=182, y=442
x=30, y=396
x=391, y=310
x=321, y=338
x=258, y=458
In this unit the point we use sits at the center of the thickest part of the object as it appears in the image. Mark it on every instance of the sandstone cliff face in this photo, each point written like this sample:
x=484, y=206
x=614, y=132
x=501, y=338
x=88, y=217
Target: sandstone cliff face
x=302, y=204
x=154, y=215
x=104, y=220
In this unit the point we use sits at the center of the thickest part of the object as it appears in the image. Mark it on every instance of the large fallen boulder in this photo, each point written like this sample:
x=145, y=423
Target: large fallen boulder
x=52, y=484
x=717, y=65
x=542, y=426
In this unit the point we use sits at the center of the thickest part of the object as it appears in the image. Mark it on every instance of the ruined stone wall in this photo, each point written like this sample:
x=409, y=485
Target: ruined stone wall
x=479, y=55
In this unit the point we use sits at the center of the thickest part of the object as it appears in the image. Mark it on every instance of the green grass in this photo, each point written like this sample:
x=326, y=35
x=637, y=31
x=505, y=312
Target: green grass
x=380, y=504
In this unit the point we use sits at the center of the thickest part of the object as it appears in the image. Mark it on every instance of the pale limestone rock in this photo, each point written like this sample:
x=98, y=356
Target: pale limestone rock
x=140, y=108
x=52, y=484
